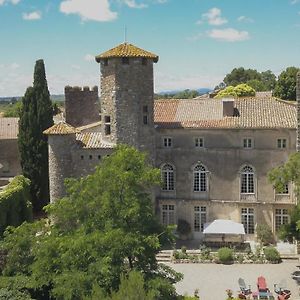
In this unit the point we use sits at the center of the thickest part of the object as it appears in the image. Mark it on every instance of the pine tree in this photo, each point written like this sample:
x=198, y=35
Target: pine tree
x=35, y=117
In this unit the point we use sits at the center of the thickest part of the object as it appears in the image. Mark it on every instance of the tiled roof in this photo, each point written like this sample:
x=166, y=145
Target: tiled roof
x=208, y=113
x=92, y=140
x=61, y=128
x=9, y=128
x=126, y=50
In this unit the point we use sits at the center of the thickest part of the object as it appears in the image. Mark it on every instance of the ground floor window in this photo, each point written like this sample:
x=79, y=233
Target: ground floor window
x=281, y=217
x=199, y=218
x=247, y=216
x=168, y=214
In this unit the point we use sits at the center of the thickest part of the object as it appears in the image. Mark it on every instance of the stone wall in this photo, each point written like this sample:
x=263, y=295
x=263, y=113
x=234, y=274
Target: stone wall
x=298, y=110
x=82, y=105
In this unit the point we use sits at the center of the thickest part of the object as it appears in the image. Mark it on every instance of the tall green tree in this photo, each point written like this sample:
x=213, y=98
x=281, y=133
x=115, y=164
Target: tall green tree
x=286, y=85
x=103, y=228
x=35, y=117
x=241, y=75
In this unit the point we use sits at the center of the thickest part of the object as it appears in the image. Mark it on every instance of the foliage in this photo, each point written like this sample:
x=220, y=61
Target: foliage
x=6, y=294
x=272, y=255
x=241, y=75
x=225, y=255
x=286, y=85
x=103, y=228
x=13, y=110
x=15, y=203
x=241, y=90
x=183, y=227
x=35, y=117
x=256, y=84
x=264, y=234
x=186, y=94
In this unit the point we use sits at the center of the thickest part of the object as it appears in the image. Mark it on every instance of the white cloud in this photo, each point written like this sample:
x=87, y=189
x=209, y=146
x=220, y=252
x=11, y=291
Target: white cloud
x=94, y=10
x=195, y=37
x=89, y=57
x=228, y=35
x=133, y=4
x=213, y=17
x=14, y=2
x=35, y=15
x=245, y=19
x=295, y=2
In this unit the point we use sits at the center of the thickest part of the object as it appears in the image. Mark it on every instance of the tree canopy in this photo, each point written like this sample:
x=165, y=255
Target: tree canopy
x=103, y=229
x=35, y=117
x=241, y=90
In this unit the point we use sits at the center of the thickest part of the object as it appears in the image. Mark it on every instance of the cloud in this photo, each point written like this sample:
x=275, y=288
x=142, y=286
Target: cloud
x=89, y=10
x=14, y=2
x=14, y=66
x=228, y=35
x=213, y=17
x=295, y=2
x=195, y=37
x=89, y=57
x=133, y=4
x=35, y=15
x=245, y=19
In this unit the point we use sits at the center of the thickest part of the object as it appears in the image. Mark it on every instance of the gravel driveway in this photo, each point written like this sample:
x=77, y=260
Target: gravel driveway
x=213, y=279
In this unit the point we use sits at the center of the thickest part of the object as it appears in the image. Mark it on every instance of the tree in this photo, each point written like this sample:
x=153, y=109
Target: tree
x=241, y=90
x=269, y=80
x=241, y=75
x=257, y=85
x=103, y=228
x=13, y=110
x=286, y=85
x=35, y=117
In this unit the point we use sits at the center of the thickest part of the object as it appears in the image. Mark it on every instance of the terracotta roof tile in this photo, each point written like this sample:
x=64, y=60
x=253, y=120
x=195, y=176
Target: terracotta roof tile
x=61, y=128
x=92, y=140
x=126, y=50
x=9, y=128
x=207, y=113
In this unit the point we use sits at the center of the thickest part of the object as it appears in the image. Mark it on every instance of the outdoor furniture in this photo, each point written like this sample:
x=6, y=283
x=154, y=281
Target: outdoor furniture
x=281, y=290
x=263, y=291
x=245, y=291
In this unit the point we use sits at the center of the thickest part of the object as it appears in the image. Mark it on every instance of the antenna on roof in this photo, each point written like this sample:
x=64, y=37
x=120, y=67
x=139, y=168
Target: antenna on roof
x=125, y=34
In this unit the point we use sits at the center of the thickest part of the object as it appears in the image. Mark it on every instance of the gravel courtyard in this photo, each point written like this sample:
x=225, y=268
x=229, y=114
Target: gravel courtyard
x=213, y=279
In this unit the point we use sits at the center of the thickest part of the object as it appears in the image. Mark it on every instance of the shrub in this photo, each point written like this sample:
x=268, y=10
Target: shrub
x=225, y=255
x=264, y=234
x=183, y=227
x=241, y=90
x=272, y=255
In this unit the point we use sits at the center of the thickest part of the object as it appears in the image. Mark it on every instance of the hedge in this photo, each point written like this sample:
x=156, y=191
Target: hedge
x=15, y=203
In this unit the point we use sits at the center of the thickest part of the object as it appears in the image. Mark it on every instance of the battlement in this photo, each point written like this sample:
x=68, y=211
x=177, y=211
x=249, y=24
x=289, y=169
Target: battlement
x=82, y=105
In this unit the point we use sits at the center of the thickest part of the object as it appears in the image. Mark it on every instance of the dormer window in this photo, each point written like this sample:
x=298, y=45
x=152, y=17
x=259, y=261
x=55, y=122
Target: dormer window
x=125, y=60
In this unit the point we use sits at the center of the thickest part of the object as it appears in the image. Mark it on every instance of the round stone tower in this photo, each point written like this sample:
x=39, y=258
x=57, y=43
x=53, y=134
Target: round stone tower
x=127, y=96
x=61, y=138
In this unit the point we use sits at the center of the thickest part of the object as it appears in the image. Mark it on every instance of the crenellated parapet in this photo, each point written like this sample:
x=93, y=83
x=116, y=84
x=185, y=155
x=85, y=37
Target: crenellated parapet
x=82, y=105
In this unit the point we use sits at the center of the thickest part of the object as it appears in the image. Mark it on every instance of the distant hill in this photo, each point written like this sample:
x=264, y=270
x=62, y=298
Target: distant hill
x=59, y=98
x=201, y=91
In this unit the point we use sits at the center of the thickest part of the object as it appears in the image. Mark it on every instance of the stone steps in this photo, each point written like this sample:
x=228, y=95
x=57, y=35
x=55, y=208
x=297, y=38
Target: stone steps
x=164, y=256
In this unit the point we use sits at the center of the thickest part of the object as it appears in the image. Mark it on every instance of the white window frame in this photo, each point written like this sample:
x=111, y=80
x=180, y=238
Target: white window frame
x=200, y=179
x=247, y=219
x=285, y=192
x=281, y=143
x=199, y=142
x=200, y=218
x=249, y=177
x=281, y=215
x=248, y=143
x=167, y=142
x=168, y=177
x=168, y=214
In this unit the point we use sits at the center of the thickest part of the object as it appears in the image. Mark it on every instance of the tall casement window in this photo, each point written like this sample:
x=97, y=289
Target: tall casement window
x=247, y=180
x=281, y=143
x=199, y=142
x=200, y=179
x=167, y=142
x=281, y=217
x=247, y=218
x=167, y=174
x=247, y=143
x=284, y=191
x=145, y=115
x=168, y=214
x=200, y=218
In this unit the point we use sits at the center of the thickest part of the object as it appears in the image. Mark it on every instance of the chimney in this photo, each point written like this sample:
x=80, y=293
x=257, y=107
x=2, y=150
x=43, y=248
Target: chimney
x=228, y=107
x=298, y=110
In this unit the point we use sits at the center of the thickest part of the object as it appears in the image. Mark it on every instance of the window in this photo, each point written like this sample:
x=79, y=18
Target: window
x=90, y=156
x=281, y=143
x=125, y=60
x=145, y=109
x=82, y=157
x=281, y=218
x=285, y=190
x=199, y=142
x=247, y=180
x=248, y=143
x=144, y=61
x=167, y=142
x=167, y=173
x=145, y=119
x=99, y=157
x=107, y=119
x=199, y=218
x=247, y=219
x=168, y=214
x=107, y=129
x=200, y=179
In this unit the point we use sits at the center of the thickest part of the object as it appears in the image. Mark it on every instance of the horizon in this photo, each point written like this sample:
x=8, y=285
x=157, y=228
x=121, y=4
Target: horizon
x=198, y=43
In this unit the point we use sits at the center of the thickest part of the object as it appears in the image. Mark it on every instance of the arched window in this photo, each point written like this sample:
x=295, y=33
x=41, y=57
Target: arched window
x=247, y=180
x=167, y=173
x=200, y=179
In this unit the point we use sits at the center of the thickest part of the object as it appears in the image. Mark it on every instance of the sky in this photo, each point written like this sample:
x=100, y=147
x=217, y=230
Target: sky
x=198, y=41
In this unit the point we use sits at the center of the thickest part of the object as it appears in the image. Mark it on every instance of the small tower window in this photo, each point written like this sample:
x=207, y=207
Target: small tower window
x=91, y=157
x=107, y=119
x=107, y=129
x=99, y=157
x=82, y=157
x=145, y=120
x=144, y=61
x=145, y=109
x=125, y=60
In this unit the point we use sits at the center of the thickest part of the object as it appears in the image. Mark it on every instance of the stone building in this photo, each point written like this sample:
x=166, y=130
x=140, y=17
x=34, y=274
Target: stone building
x=214, y=155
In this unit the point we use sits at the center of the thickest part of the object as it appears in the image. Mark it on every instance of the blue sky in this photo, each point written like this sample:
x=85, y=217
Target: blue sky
x=198, y=41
